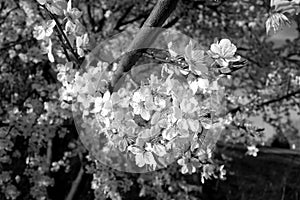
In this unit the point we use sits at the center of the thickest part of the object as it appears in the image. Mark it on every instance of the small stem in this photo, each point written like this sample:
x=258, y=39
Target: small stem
x=129, y=76
x=75, y=185
x=182, y=65
x=64, y=47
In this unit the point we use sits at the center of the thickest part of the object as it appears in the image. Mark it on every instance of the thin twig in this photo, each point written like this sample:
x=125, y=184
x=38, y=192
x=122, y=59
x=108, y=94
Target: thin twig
x=8, y=131
x=11, y=44
x=75, y=185
x=266, y=103
x=280, y=98
x=49, y=153
x=61, y=31
x=64, y=47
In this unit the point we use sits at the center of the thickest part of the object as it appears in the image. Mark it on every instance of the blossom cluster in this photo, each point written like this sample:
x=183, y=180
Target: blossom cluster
x=73, y=30
x=161, y=120
x=206, y=63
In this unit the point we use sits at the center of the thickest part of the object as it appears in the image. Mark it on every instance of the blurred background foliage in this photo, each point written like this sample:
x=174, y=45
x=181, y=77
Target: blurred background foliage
x=42, y=158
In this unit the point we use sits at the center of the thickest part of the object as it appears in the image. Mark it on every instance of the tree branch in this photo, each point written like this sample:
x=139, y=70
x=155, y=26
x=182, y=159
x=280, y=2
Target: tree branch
x=63, y=46
x=266, y=103
x=280, y=99
x=13, y=43
x=75, y=184
x=49, y=153
x=145, y=37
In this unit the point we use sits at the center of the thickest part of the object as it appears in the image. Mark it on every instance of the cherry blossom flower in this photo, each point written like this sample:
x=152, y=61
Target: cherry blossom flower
x=54, y=6
x=138, y=103
x=158, y=149
x=203, y=85
x=73, y=24
x=223, y=52
x=196, y=59
x=81, y=44
x=44, y=31
x=207, y=172
x=170, y=133
x=189, y=105
x=200, y=83
x=222, y=172
x=143, y=157
x=102, y=104
x=72, y=14
x=188, y=165
x=252, y=151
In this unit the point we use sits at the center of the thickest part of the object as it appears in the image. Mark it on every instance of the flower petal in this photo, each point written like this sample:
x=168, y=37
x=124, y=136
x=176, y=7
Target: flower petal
x=222, y=62
x=225, y=43
x=193, y=124
x=188, y=50
x=145, y=114
x=149, y=159
x=139, y=160
x=135, y=150
x=159, y=150
x=216, y=49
